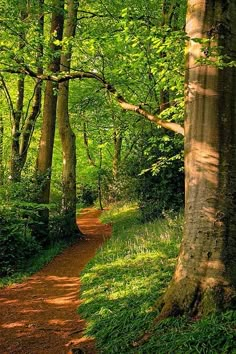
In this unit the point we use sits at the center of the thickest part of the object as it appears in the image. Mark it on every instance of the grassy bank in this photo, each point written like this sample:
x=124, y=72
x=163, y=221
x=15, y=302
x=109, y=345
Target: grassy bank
x=121, y=285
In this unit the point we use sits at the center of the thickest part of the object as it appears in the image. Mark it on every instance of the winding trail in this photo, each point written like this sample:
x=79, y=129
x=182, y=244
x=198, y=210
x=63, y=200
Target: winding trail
x=40, y=315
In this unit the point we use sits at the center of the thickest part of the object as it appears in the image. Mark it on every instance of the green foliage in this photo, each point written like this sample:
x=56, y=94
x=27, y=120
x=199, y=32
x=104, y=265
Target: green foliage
x=211, y=335
x=120, y=287
x=122, y=188
x=34, y=264
x=16, y=241
x=86, y=194
x=156, y=166
x=161, y=186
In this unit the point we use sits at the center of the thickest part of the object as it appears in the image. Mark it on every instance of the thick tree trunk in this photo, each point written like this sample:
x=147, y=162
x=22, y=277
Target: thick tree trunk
x=66, y=134
x=44, y=159
x=205, y=276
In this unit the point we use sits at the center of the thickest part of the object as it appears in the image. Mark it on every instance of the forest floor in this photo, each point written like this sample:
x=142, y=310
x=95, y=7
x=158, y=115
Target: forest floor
x=39, y=316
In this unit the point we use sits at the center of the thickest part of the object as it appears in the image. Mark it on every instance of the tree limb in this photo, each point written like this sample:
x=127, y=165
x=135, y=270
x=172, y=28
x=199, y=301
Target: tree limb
x=91, y=161
x=62, y=77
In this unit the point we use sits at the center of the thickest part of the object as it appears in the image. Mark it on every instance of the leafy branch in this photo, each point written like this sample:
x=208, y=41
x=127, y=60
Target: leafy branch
x=64, y=76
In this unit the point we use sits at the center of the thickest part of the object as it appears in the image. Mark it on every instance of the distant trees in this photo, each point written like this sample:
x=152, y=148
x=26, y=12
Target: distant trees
x=26, y=108
x=134, y=61
x=135, y=58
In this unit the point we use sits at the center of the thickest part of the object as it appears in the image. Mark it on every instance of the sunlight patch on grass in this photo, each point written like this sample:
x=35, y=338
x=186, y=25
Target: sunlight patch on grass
x=121, y=285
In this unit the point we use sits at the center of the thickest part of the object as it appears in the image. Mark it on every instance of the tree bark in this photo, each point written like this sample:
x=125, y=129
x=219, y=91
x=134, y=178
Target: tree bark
x=23, y=128
x=117, y=139
x=29, y=124
x=17, y=115
x=66, y=133
x=1, y=151
x=44, y=159
x=205, y=276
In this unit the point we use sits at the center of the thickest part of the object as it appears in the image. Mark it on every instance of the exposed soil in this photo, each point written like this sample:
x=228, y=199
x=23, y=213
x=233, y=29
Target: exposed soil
x=40, y=315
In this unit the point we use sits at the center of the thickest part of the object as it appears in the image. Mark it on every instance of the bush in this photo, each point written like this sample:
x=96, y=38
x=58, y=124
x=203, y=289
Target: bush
x=16, y=241
x=86, y=194
x=157, y=171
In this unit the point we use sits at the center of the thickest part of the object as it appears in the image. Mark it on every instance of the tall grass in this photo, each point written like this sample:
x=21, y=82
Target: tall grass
x=121, y=285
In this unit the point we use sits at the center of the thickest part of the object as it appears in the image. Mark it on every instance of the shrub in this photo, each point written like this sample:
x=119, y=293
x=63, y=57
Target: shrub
x=86, y=194
x=158, y=164
x=16, y=241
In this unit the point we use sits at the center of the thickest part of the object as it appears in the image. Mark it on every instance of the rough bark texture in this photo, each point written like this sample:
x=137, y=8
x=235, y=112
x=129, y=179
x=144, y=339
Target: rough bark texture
x=66, y=133
x=205, y=276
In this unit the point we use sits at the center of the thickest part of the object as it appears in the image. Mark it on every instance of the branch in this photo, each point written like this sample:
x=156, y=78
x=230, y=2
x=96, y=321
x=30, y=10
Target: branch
x=8, y=98
x=62, y=77
x=87, y=145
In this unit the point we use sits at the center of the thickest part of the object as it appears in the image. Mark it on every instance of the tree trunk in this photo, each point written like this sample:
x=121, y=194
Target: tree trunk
x=22, y=130
x=44, y=159
x=66, y=134
x=205, y=276
x=117, y=139
x=15, y=145
x=29, y=124
x=1, y=151
x=17, y=114
x=100, y=179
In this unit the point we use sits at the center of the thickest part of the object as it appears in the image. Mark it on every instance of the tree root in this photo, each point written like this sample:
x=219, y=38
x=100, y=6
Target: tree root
x=71, y=330
x=142, y=340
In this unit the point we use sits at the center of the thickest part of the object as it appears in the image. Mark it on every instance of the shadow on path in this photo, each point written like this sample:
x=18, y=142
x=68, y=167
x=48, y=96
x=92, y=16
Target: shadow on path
x=40, y=315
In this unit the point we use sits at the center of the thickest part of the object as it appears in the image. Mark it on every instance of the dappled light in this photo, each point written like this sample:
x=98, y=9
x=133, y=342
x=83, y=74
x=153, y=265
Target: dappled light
x=129, y=107
x=196, y=89
x=40, y=315
x=203, y=162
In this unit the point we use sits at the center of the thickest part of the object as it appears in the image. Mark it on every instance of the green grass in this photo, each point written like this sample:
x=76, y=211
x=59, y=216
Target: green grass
x=34, y=264
x=121, y=285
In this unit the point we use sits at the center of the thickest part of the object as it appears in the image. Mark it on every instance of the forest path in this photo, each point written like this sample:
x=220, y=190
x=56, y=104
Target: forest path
x=40, y=316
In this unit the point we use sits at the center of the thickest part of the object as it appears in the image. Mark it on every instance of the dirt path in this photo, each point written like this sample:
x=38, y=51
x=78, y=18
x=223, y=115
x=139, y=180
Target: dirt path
x=39, y=316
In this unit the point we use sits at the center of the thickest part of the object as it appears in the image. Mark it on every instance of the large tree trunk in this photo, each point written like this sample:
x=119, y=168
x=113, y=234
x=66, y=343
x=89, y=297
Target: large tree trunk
x=205, y=276
x=66, y=133
x=44, y=159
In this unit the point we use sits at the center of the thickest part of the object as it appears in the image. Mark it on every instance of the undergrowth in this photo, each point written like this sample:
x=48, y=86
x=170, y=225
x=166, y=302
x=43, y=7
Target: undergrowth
x=121, y=285
x=34, y=264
